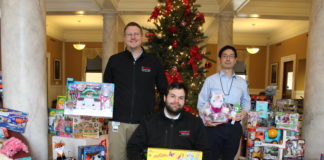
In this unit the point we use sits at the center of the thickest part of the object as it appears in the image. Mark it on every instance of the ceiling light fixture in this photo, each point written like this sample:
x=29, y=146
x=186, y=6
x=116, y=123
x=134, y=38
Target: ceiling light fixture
x=79, y=46
x=252, y=50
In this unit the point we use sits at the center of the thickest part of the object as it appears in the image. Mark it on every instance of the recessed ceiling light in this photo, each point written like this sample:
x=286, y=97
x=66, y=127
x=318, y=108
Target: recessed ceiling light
x=80, y=12
x=254, y=15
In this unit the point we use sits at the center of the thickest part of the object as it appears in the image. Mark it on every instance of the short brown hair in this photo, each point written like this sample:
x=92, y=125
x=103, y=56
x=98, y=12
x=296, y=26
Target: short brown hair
x=133, y=24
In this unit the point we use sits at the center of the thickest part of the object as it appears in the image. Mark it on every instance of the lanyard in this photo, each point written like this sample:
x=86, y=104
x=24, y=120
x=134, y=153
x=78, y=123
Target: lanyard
x=229, y=91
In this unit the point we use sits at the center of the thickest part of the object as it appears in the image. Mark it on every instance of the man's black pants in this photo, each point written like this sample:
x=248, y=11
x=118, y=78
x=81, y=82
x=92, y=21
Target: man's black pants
x=224, y=140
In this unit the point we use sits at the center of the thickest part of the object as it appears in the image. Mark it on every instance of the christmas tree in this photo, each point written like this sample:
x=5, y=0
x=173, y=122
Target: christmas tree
x=177, y=41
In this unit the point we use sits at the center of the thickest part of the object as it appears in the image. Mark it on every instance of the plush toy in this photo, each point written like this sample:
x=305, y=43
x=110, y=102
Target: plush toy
x=12, y=146
x=59, y=149
x=4, y=157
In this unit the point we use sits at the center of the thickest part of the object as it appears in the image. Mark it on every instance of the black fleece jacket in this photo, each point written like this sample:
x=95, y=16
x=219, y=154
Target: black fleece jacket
x=187, y=132
x=135, y=83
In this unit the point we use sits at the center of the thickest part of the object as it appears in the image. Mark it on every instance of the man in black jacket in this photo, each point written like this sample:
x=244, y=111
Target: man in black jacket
x=135, y=74
x=170, y=128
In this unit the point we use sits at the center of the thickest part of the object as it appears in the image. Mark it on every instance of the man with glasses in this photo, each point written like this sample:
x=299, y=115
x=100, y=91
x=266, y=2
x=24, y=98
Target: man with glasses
x=135, y=74
x=225, y=138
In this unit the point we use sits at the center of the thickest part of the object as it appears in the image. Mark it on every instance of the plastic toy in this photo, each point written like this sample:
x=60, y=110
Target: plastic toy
x=259, y=136
x=272, y=136
x=12, y=146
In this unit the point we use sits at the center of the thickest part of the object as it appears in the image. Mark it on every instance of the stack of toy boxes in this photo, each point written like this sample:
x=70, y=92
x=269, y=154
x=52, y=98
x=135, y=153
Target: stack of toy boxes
x=87, y=107
x=268, y=132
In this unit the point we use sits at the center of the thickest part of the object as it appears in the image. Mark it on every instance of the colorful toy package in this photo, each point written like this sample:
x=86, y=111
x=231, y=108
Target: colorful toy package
x=60, y=102
x=173, y=154
x=89, y=99
x=252, y=119
x=13, y=120
x=294, y=149
x=85, y=127
x=97, y=152
x=59, y=124
x=69, y=146
x=287, y=120
x=217, y=111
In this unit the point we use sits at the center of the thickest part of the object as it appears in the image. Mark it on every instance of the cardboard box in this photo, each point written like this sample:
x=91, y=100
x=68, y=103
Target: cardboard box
x=173, y=154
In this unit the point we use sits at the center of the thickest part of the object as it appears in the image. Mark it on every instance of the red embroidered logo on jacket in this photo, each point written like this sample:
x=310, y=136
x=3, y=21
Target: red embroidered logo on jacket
x=146, y=69
x=184, y=133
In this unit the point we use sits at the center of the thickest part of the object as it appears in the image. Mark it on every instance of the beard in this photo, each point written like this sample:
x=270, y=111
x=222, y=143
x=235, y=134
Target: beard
x=173, y=111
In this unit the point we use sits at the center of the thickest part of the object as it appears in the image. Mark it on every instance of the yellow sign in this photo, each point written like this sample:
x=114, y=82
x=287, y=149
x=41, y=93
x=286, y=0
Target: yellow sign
x=173, y=154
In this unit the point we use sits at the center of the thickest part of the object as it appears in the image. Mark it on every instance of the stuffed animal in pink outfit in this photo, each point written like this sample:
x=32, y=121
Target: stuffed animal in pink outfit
x=12, y=146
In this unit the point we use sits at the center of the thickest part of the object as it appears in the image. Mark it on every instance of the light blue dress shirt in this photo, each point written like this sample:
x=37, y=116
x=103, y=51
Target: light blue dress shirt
x=235, y=94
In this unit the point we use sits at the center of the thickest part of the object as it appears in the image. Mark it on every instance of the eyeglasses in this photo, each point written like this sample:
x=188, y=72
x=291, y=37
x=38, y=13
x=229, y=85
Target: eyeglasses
x=232, y=56
x=133, y=34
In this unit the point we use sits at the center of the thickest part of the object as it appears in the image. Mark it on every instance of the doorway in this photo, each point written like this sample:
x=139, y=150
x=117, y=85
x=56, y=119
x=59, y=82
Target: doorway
x=287, y=80
x=287, y=77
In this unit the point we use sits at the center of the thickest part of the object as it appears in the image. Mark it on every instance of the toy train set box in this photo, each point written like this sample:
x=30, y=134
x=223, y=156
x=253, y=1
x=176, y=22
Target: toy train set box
x=89, y=99
x=173, y=154
x=13, y=120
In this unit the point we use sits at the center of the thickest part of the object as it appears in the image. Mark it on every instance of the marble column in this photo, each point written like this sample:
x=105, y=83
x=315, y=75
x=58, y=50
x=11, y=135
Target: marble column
x=225, y=31
x=23, y=47
x=313, y=128
x=110, y=37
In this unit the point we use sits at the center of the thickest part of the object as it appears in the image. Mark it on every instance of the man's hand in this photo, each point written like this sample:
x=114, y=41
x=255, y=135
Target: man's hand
x=240, y=116
x=212, y=124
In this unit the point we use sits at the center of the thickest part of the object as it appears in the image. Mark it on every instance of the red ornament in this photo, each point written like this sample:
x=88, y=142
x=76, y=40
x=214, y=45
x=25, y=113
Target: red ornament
x=183, y=23
x=173, y=75
x=200, y=17
x=208, y=65
x=175, y=44
x=172, y=29
x=149, y=34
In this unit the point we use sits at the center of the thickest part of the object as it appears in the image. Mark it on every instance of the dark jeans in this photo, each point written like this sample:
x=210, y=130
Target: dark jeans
x=224, y=140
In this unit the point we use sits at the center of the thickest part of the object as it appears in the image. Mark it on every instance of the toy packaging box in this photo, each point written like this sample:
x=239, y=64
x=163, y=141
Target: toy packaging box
x=262, y=108
x=173, y=154
x=89, y=99
x=60, y=102
x=95, y=152
x=287, y=120
x=59, y=124
x=294, y=149
x=69, y=146
x=85, y=127
x=13, y=120
x=218, y=111
x=252, y=119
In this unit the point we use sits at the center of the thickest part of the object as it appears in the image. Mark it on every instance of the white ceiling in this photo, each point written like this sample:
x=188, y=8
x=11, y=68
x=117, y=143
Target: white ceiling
x=273, y=15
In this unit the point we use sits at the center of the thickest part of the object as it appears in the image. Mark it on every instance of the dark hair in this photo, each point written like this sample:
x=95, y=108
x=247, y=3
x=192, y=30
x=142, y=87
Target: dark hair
x=177, y=85
x=226, y=48
x=133, y=24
